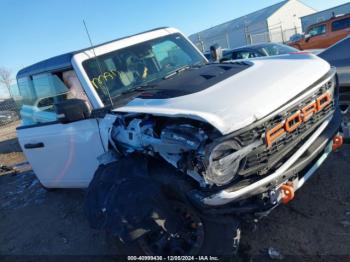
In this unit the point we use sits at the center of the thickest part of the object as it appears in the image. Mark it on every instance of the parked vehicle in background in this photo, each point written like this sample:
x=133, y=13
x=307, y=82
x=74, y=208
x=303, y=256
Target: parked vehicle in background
x=295, y=37
x=324, y=34
x=338, y=55
x=258, y=50
x=7, y=116
x=225, y=53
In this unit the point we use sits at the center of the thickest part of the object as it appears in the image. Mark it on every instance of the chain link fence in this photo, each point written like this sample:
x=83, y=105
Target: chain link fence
x=240, y=36
x=220, y=39
x=8, y=112
x=277, y=35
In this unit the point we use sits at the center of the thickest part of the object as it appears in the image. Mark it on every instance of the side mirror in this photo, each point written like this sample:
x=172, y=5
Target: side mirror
x=72, y=110
x=215, y=53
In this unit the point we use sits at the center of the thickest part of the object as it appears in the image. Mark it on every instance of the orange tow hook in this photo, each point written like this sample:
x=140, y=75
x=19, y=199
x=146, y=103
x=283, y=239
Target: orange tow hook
x=337, y=142
x=287, y=193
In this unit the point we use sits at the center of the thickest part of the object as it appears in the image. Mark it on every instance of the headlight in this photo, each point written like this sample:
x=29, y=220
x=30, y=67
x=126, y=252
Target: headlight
x=223, y=163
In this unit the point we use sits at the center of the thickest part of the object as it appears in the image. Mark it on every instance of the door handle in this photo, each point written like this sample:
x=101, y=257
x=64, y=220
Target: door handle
x=35, y=145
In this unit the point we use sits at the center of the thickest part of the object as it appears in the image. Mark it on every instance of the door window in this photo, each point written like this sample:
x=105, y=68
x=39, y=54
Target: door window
x=37, y=95
x=317, y=30
x=341, y=24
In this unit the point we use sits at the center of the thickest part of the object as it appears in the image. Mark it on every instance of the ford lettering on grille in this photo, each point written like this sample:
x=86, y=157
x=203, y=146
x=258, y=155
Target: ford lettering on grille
x=295, y=120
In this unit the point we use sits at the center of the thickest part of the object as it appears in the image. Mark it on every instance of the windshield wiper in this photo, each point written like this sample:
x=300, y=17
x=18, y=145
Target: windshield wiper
x=137, y=89
x=176, y=71
x=146, y=87
x=182, y=68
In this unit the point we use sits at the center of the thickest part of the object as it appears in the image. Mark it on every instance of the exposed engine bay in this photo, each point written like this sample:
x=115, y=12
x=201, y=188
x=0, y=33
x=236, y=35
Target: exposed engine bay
x=199, y=150
x=188, y=145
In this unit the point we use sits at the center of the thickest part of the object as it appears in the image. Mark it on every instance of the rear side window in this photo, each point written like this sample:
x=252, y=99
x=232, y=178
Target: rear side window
x=341, y=24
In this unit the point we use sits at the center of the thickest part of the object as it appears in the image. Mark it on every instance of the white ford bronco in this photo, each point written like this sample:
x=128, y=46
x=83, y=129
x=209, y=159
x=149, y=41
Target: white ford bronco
x=174, y=151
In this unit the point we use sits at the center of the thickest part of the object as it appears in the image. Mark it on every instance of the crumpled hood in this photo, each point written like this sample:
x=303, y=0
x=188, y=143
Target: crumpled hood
x=243, y=98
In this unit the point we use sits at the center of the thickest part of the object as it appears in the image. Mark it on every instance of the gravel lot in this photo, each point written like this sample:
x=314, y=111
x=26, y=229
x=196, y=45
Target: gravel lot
x=10, y=151
x=36, y=222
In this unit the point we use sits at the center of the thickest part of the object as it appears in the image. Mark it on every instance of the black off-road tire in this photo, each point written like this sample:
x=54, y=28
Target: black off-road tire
x=219, y=239
x=215, y=235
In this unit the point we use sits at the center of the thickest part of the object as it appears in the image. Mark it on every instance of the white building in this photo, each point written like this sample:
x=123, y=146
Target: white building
x=308, y=20
x=275, y=23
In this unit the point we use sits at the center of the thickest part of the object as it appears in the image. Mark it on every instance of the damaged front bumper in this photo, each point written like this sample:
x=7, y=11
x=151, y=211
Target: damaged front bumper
x=296, y=170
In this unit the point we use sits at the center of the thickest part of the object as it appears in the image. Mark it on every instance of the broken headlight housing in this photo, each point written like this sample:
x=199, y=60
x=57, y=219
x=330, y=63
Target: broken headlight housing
x=223, y=163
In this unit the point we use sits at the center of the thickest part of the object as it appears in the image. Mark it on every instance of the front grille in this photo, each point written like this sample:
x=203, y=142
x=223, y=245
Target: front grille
x=263, y=159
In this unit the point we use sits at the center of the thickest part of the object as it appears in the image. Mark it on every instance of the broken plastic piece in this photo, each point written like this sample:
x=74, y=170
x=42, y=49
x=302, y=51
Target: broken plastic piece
x=337, y=142
x=7, y=170
x=120, y=203
x=287, y=193
x=275, y=254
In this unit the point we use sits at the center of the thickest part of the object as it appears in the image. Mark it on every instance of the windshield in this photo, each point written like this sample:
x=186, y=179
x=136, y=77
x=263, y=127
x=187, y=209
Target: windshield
x=115, y=73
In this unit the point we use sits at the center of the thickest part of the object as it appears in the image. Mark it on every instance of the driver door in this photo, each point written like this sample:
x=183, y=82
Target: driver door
x=61, y=155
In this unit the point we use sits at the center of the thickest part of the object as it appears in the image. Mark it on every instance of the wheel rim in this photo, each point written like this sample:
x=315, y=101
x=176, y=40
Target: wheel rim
x=188, y=242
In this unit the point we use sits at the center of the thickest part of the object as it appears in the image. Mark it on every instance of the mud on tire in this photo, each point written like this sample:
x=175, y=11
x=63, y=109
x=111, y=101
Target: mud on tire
x=214, y=238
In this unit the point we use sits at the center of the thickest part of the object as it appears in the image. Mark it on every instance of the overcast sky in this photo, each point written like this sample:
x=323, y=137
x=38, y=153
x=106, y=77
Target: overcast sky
x=33, y=30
